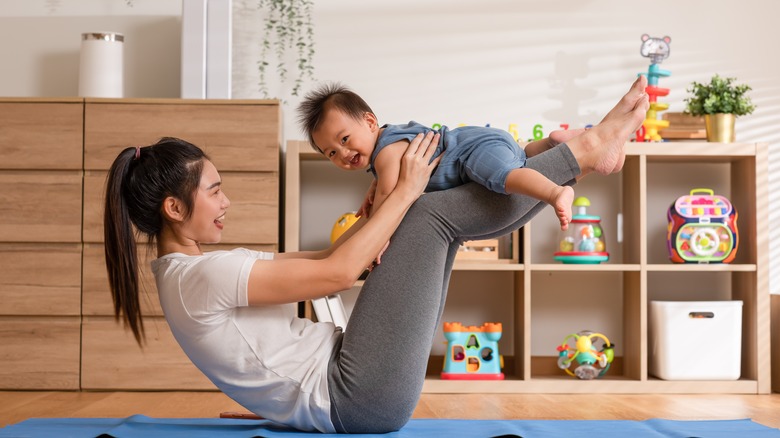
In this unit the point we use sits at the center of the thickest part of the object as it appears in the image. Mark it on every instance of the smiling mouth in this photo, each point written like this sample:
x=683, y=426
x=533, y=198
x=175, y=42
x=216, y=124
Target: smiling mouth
x=219, y=222
x=355, y=160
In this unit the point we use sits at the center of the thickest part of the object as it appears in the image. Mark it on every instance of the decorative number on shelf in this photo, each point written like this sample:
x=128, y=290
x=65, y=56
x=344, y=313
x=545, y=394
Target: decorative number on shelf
x=538, y=134
x=640, y=134
x=513, y=131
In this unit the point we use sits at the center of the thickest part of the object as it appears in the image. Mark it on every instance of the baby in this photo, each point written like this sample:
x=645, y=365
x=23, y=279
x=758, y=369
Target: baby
x=342, y=126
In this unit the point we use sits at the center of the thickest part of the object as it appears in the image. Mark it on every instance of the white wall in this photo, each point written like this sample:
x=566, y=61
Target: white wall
x=445, y=61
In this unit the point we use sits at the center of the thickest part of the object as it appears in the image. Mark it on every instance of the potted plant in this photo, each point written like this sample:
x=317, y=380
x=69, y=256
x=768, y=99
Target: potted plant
x=720, y=102
x=288, y=38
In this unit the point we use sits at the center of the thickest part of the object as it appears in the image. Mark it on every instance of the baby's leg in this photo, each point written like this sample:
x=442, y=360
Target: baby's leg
x=527, y=181
x=556, y=137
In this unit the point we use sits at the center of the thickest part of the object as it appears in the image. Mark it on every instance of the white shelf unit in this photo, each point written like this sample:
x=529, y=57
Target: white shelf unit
x=638, y=270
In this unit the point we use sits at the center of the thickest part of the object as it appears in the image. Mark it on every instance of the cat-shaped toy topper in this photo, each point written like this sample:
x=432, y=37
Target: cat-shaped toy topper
x=657, y=49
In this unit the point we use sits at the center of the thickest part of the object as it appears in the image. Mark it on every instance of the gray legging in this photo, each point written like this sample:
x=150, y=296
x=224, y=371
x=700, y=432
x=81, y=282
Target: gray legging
x=377, y=373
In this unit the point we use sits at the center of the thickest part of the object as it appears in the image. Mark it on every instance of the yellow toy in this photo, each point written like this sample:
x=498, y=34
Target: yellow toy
x=586, y=355
x=342, y=224
x=657, y=49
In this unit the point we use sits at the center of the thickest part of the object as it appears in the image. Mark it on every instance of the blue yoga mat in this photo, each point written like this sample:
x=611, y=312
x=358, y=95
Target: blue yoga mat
x=146, y=427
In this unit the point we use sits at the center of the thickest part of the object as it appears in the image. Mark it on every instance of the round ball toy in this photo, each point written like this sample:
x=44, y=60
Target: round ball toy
x=583, y=242
x=342, y=225
x=592, y=352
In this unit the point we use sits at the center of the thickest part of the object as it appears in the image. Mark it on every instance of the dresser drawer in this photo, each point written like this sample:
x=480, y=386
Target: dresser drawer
x=253, y=216
x=39, y=206
x=40, y=279
x=96, y=299
x=39, y=352
x=243, y=137
x=111, y=359
x=41, y=135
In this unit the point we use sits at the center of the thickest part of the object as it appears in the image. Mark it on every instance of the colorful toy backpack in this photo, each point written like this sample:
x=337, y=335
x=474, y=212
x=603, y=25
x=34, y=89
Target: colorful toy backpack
x=702, y=229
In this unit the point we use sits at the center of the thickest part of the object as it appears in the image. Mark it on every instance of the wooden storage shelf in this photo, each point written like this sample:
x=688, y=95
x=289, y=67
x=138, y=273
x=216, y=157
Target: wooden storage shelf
x=702, y=268
x=654, y=175
x=584, y=268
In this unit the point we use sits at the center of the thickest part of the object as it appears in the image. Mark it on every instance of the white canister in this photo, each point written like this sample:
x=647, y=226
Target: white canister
x=100, y=69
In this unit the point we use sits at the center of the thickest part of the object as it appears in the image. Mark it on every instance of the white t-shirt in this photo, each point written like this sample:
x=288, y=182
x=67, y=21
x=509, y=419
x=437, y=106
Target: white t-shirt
x=265, y=358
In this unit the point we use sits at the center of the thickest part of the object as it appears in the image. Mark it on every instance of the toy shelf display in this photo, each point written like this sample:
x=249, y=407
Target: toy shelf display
x=536, y=309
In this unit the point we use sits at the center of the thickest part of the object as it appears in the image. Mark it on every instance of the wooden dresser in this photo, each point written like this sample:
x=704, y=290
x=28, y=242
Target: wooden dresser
x=57, y=329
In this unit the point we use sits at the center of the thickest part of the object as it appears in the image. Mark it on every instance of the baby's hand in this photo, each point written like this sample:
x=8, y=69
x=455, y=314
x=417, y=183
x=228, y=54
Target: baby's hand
x=378, y=259
x=365, y=208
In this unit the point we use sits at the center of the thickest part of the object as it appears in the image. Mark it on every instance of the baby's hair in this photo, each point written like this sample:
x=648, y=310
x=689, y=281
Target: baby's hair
x=326, y=97
x=139, y=180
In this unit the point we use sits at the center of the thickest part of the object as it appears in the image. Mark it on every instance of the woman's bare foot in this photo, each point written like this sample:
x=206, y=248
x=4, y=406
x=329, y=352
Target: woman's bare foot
x=628, y=101
x=561, y=201
x=601, y=149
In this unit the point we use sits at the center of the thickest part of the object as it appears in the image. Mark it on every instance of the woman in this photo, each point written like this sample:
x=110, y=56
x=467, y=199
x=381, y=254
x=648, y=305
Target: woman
x=234, y=312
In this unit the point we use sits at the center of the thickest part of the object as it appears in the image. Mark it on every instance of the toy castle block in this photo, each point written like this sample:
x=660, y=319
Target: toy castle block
x=472, y=352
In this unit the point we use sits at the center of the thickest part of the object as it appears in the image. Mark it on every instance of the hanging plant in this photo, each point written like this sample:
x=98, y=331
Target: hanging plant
x=288, y=26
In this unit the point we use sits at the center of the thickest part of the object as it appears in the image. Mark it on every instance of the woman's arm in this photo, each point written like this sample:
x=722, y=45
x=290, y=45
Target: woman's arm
x=323, y=253
x=288, y=279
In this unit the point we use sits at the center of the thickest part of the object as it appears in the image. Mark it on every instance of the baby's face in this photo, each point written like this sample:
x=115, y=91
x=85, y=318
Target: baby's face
x=345, y=141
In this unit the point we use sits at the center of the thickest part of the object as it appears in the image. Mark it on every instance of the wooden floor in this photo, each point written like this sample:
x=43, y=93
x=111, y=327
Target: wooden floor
x=765, y=409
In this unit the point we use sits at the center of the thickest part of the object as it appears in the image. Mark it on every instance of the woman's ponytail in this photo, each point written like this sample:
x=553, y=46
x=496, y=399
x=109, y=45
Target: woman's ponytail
x=120, y=246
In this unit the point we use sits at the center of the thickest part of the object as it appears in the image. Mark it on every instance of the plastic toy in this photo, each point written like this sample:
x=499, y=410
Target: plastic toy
x=657, y=49
x=583, y=242
x=472, y=352
x=702, y=228
x=342, y=224
x=586, y=354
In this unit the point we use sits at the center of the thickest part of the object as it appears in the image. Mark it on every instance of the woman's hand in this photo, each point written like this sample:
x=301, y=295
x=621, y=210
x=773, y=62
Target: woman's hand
x=416, y=164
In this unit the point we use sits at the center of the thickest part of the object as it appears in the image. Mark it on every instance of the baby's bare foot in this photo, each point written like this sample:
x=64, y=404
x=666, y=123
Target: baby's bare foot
x=561, y=200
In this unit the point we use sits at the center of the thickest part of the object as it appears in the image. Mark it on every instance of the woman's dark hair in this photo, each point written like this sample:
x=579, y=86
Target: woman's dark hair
x=327, y=97
x=139, y=180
